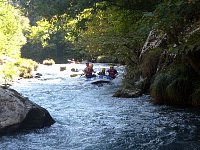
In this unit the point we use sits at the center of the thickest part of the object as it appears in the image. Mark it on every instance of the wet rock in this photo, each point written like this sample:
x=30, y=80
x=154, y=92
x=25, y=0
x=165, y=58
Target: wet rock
x=5, y=85
x=38, y=75
x=128, y=93
x=62, y=68
x=18, y=113
x=74, y=70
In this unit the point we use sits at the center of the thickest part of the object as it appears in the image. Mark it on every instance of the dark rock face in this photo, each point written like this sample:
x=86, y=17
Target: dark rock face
x=19, y=113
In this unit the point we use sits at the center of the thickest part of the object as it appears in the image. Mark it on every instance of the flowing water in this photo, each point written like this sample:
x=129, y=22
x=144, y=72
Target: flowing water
x=89, y=118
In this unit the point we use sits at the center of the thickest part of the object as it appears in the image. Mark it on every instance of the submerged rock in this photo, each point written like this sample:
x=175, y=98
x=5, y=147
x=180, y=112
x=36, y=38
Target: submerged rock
x=127, y=93
x=19, y=113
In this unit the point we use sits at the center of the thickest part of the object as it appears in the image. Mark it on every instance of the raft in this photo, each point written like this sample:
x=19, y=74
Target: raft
x=99, y=79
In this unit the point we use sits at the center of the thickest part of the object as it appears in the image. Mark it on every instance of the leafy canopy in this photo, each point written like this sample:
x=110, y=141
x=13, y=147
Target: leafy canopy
x=13, y=25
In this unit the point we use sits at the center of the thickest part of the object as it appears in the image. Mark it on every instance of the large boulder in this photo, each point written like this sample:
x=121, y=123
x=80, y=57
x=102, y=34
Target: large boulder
x=19, y=113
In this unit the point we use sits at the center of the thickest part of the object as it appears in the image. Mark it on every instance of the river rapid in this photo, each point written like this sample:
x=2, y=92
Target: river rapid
x=89, y=118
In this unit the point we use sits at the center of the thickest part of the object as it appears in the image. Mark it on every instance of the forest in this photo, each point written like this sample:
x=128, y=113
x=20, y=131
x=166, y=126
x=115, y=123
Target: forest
x=157, y=40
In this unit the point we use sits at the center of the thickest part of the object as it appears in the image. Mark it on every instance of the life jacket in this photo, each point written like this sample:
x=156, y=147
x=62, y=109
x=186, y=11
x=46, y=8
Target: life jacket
x=86, y=70
x=89, y=71
x=112, y=73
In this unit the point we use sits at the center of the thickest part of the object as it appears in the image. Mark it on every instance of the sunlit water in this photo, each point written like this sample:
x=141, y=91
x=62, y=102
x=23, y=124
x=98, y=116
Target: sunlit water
x=89, y=118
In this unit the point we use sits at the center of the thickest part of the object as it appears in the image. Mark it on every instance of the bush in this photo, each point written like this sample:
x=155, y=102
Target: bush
x=48, y=62
x=176, y=87
x=26, y=66
x=179, y=91
x=159, y=86
x=8, y=72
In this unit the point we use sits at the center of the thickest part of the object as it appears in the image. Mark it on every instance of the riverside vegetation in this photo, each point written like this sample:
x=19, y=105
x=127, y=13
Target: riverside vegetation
x=158, y=41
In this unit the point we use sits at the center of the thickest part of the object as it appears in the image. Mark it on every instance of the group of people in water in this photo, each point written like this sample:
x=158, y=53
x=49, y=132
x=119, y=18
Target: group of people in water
x=88, y=71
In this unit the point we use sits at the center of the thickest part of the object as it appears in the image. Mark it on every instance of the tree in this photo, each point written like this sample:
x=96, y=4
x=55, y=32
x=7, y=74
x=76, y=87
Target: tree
x=174, y=17
x=13, y=25
x=114, y=32
x=52, y=39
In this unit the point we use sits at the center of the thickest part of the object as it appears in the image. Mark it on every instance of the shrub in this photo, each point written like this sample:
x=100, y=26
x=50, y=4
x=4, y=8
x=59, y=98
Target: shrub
x=26, y=66
x=8, y=72
x=48, y=62
x=158, y=87
x=183, y=70
x=179, y=91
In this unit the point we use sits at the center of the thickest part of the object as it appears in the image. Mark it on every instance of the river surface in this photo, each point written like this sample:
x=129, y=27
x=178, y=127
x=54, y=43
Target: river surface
x=89, y=118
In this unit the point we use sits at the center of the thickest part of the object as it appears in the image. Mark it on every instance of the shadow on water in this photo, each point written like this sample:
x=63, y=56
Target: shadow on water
x=88, y=117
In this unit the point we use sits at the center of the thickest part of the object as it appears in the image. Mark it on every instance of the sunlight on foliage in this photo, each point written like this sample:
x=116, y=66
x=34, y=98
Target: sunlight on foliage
x=12, y=27
x=85, y=14
x=8, y=71
x=26, y=67
x=40, y=33
x=113, y=32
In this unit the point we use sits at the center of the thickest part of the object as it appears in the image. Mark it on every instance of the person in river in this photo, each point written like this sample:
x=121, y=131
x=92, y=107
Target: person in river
x=88, y=71
x=103, y=72
x=112, y=72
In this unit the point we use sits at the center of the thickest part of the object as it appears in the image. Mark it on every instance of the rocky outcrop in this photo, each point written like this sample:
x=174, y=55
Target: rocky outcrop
x=140, y=87
x=128, y=93
x=18, y=113
x=154, y=40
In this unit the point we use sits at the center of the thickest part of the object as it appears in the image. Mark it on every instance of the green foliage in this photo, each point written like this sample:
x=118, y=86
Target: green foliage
x=8, y=71
x=12, y=27
x=194, y=38
x=26, y=67
x=191, y=43
x=173, y=17
x=52, y=39
x=176, y=86
x=41, y=32
x=141, y=5
x=48, y=62
x=37, y=9
x=20, y=68
x=159, y=86
x=183, y=70
x=179, y=91
x=114, y=32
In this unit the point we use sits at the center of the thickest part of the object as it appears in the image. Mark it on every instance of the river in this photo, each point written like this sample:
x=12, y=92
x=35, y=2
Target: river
x=89, y=118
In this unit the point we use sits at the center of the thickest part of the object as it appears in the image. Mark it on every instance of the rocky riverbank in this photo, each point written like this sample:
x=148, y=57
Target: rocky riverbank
x=18, y=113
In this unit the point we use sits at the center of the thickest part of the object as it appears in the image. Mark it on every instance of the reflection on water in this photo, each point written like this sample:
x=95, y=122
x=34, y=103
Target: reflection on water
x=88, y=117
